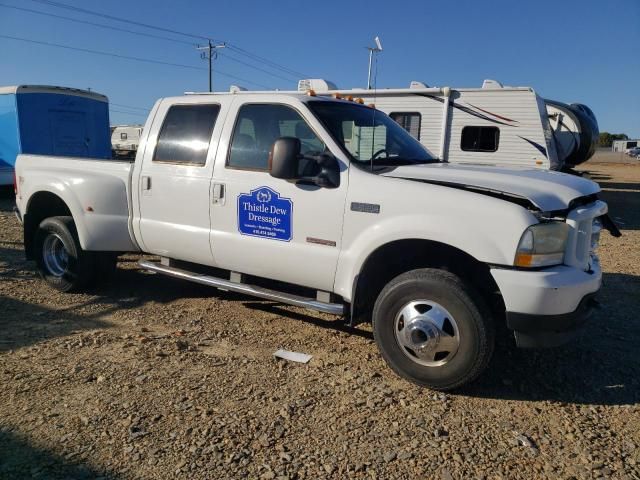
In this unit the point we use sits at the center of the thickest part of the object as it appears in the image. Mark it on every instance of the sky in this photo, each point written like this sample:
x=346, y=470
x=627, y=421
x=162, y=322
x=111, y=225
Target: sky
x=585, y=51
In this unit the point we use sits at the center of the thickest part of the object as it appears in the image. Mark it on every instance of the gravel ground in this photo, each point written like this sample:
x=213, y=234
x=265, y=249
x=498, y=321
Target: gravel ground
x=148, y=377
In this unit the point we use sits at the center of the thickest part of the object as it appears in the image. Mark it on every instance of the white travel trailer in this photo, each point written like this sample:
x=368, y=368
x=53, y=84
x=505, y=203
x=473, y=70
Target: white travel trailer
x=125, y=139
x=492, y=125
x=624, y=145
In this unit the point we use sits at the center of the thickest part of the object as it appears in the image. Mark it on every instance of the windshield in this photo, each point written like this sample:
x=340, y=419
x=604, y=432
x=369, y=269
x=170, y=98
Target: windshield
x=369, y=135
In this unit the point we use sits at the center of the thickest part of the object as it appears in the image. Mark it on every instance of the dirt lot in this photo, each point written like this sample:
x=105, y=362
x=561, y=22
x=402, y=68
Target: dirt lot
x=147, y=377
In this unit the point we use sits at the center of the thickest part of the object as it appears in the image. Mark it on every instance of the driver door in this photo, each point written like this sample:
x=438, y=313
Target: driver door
x=271, y=227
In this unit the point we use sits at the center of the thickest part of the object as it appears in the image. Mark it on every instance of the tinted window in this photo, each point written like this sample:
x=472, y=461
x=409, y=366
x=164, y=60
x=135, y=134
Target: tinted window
x=259, y=126
x=186, y=133
x=410, y=121
x=480, y=139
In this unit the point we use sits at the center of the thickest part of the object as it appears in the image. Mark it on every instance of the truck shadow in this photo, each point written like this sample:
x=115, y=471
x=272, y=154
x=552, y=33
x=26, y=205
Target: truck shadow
x=600, y=368
x=6, y=193
x=623, y=199
x=20, y=459
x=624, y=203
x=336, y=324
x=23, y=324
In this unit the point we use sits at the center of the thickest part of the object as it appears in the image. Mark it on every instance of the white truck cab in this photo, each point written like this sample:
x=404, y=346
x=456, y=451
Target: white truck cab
x=330, y=205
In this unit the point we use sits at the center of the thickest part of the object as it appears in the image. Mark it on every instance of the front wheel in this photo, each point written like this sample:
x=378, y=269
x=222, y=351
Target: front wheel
x=432, y=329
x=59, y=256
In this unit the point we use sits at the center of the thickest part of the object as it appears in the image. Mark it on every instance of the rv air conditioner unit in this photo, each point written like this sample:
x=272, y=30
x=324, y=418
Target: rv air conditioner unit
x=488, y=83
x=236, y=89
x=417, y=84
x=316, y=84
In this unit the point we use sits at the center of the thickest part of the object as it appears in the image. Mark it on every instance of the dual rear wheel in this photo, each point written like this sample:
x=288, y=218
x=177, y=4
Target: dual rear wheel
x=62, y=262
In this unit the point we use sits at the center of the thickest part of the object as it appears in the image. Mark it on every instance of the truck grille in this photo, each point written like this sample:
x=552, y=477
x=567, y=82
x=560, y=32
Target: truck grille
x=579, y=245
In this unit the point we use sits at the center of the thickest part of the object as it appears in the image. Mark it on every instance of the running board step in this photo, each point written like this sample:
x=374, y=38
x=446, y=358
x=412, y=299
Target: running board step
x=255, y=291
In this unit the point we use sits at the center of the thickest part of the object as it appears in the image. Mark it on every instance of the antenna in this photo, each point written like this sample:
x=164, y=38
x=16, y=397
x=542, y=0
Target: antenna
x=372, y=50
x=378, y=43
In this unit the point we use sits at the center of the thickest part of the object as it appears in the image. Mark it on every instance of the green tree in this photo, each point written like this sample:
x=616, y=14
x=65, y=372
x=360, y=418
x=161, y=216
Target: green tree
x=606, y=138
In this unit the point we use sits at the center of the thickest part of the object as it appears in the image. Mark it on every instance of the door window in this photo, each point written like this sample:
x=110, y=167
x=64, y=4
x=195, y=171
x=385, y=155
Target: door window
x=258, y=126
x=185, y=134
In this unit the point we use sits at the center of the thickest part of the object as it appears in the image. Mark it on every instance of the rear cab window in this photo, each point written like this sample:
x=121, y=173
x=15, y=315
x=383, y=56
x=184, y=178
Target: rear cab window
x=186, y=133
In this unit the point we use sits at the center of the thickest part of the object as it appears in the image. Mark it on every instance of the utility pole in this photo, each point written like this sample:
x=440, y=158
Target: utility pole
x=209, y=52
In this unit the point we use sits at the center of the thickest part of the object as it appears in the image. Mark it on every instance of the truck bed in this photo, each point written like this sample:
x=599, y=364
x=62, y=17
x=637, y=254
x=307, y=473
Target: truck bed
x=96, y=191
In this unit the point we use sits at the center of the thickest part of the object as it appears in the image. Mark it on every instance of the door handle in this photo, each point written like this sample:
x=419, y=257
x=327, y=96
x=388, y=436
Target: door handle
x=145, y=180
x=218, y=194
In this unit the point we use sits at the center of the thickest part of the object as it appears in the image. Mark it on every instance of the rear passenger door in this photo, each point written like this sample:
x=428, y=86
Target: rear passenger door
x=173, y=184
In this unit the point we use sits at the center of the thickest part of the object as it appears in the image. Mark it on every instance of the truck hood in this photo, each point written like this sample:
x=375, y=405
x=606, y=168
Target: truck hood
x=546, y=190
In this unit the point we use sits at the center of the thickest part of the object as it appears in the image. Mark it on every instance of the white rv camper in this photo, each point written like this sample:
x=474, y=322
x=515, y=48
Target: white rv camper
x=492, y=125
x=125, y=139
x=624, y=145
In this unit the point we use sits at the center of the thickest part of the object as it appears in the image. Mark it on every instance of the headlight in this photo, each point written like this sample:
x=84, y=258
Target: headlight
x=542, y=245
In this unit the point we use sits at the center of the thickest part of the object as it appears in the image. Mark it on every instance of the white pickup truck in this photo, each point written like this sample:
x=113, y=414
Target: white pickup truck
x=329, y=204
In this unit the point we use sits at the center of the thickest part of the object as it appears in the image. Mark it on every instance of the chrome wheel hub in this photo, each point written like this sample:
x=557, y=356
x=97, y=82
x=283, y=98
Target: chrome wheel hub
x=427, y=333
x=55, y=255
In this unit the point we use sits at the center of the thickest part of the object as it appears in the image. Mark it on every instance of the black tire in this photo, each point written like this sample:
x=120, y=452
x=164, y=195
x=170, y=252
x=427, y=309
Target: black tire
x=72, y=275
x=474, y=329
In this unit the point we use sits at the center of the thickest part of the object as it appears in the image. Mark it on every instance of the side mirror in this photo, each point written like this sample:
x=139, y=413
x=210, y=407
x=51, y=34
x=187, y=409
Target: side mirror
x=283, y=158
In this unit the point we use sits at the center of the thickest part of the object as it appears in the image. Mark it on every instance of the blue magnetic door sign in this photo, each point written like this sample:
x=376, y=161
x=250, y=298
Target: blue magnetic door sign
x=263, y=213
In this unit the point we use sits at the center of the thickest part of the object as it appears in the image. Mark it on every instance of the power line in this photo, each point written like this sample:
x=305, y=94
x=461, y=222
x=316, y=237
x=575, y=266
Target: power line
x=100, y=25
x=242, y=51
x=257, y=68
x=118, y=19
x=128, y=113
x=126, y=57
x=118, y=29
x=266, y=61
x=128, y=106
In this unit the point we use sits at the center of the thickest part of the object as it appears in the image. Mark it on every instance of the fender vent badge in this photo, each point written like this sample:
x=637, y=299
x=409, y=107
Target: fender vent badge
x=365, y=207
